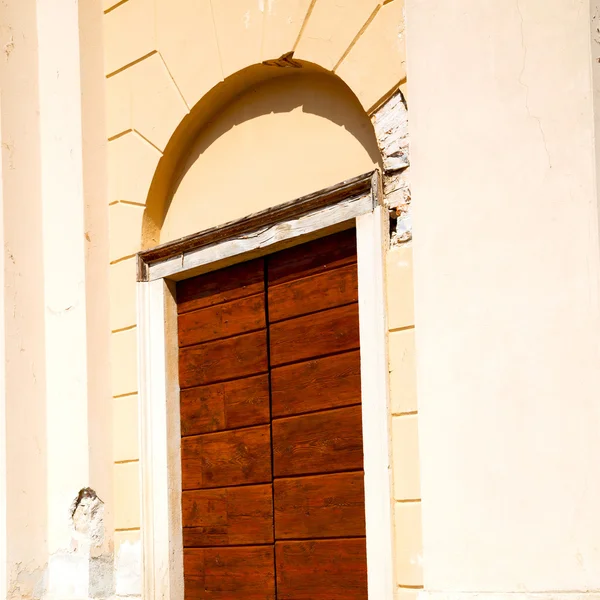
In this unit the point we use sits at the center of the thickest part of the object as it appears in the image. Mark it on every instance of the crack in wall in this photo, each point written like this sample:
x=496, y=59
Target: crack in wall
x=526, y=87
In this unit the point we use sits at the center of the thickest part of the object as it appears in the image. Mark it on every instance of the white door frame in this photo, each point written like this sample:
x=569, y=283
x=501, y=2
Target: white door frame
x=353, y=203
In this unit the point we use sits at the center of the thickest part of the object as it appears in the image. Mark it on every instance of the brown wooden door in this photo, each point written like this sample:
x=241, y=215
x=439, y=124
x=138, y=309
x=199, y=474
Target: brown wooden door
x=272, y=459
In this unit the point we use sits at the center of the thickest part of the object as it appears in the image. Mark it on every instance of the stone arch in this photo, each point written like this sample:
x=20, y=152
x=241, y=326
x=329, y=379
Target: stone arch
x=258, y=92
x=167, y=57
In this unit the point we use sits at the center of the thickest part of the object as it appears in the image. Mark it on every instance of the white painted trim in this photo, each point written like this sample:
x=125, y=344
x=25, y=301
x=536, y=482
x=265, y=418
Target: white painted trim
x=264, y=241
x=159, y=394
x=160, y=438
x=371, y=242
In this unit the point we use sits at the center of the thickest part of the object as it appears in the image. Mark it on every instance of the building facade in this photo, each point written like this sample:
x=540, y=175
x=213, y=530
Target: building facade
x=156, y=149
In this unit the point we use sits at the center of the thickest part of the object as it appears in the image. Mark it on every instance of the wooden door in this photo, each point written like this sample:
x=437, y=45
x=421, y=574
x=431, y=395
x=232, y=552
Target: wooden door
x=272, y=459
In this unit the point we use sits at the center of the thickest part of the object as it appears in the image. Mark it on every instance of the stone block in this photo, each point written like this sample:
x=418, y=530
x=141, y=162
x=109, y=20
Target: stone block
x=124, y=362
x=118, y=104
x=125, y=222
x=403, y=381
x=405, y=444
x=331, y=29
x=157, y=105
x=127, y=495
x=283, y=21
x=377, y=61
x=128, y=34
x=131, y=165
x=187, y=41
x=409, y=546
x=399, y=287
x=239, y=25
x=123, y=294
x=125, y=429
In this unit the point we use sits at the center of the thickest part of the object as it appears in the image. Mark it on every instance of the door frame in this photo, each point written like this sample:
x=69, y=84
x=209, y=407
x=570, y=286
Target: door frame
x=353, y=203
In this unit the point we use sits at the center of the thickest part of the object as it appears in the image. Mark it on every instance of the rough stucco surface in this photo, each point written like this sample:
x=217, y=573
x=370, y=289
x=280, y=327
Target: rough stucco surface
x=391, y=128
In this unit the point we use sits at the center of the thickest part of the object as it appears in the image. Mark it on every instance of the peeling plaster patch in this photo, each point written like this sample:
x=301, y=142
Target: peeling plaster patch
x=102, y=576
x=76, y=575
x=391, y=128
x=87, y=518
x=10, y=45
x=27, y=582
x=396, y=191
x=9, y=146
x=129, y=569
x=247, y=19
x=8, y=48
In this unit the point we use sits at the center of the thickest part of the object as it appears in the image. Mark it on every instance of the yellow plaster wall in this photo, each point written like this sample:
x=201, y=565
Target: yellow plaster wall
x=173, y=70
x=284, y=139
x=404, y=409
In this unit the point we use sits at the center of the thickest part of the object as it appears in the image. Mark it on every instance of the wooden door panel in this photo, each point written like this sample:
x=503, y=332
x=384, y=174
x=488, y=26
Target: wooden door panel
x=238, y=281
x=329, y=382
x=236, y=457
x=227, y=405
x=226, y=359
x=228, y=516
x=250, y=412
x=324, y=569
x=229, y=573
x=320, y=506
x=314, y=257
x=315, y=335
x=318, y=443
x=318, y=292
x=223, y=320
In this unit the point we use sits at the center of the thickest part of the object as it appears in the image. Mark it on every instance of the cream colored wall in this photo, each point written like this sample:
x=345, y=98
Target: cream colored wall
x=298, y=133
x=505, y=190
x=54, y=326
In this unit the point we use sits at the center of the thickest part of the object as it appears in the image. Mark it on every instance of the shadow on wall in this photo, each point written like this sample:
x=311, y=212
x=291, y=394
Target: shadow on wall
x=279, y=140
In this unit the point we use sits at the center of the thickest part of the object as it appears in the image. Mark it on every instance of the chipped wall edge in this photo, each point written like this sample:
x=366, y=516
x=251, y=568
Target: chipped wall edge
x=391, y=128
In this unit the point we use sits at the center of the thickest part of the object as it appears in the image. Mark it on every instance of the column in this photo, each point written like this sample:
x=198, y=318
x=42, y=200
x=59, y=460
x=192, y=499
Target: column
x=505, y=196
